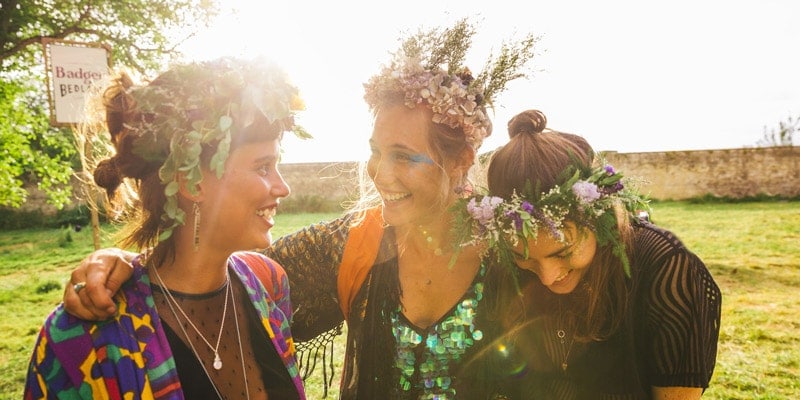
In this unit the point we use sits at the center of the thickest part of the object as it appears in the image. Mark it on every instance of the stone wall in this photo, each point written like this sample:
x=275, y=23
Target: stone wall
x=734, y=173
x=335, y=181
x=676, y=175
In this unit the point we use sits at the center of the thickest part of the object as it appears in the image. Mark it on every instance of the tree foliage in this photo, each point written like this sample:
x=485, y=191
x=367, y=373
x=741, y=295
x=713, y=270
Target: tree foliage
x=143, y=36
x=31, y=151
x=783, y=136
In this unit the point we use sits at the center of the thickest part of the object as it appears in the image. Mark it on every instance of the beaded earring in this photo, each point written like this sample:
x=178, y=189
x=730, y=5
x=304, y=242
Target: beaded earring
x=196, y=211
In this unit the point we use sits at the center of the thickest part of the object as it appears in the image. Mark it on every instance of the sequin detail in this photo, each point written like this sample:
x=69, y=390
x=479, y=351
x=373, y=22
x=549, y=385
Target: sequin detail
x=424, y=362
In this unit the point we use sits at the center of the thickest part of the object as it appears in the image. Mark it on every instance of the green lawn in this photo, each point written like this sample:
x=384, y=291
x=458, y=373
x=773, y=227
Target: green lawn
x=752, y=249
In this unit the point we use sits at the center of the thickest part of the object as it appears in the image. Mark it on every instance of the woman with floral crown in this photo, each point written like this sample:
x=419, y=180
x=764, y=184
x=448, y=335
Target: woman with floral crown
x=418, y=322
x=200, y=318
x=609, y=305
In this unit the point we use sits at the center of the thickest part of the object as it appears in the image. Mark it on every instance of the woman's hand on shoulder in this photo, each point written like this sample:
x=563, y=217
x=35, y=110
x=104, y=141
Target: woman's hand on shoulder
x=95, y=281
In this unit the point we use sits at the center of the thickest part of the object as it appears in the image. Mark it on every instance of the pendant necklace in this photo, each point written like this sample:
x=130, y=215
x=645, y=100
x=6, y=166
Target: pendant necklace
x=217, y=360
x=561, y=334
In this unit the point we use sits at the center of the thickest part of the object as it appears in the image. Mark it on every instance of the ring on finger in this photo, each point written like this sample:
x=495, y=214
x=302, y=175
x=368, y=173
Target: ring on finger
x=78, y=286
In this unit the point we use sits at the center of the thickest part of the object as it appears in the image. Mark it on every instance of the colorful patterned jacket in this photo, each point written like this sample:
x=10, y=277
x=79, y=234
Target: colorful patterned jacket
x=128, y=357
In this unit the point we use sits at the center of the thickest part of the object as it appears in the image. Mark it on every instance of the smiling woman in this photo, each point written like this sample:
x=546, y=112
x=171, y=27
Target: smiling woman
x=418, y=319
x=610, y=306
x=202, y=139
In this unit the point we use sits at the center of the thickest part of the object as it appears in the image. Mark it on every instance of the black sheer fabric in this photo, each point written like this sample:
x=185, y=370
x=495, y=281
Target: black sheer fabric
x=311, y=258
x=668, y=338
x=263, y=366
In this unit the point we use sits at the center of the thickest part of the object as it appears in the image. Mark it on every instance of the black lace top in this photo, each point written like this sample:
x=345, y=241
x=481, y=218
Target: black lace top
x=668, y=338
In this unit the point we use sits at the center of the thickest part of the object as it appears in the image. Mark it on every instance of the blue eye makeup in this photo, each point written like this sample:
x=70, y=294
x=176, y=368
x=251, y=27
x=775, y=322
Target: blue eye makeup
x=420, y=158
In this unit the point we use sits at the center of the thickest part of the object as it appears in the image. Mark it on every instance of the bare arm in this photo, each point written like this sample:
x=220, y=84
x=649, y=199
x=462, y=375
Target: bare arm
x=104, y=271
x=676, y=393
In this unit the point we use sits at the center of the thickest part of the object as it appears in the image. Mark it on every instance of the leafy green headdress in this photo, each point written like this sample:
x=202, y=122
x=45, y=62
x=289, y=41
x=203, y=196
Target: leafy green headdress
x=201, y=106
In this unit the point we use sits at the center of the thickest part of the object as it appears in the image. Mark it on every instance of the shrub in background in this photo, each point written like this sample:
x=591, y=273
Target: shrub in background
x=73, y=217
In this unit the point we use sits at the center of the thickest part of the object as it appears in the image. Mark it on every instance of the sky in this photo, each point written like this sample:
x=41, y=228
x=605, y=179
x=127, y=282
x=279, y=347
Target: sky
x=630, y=76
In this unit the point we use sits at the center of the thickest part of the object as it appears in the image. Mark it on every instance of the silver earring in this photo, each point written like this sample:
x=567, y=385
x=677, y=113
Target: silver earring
x=196, y=211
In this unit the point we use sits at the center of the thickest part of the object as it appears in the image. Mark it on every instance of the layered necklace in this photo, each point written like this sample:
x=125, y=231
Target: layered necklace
x=217, y=362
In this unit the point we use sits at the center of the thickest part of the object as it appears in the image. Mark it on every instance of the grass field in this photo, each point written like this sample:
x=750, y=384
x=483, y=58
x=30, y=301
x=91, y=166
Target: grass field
x=752, y=249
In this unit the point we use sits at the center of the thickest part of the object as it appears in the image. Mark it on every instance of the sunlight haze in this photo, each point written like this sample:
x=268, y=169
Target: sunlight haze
x=630, y=76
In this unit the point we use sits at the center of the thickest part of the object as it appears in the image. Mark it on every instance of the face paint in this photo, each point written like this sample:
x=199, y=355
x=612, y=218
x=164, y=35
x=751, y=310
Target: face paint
x=421, y=158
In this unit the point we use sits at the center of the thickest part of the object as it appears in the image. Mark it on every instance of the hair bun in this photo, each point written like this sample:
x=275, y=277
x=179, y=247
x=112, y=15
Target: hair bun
x=530, y=121
x=107, y=176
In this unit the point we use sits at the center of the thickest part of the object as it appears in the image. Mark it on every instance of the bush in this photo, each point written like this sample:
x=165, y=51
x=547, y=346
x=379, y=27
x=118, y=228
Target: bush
x=73, y=217
x=11, y=219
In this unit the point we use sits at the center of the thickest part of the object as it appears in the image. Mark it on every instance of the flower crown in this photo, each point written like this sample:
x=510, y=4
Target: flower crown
x=206, y=104
x=428, y=70
x=586, y=198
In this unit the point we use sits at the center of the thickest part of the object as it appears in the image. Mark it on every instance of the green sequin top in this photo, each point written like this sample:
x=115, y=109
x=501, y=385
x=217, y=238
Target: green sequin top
x=424, y=356
x=380, y=353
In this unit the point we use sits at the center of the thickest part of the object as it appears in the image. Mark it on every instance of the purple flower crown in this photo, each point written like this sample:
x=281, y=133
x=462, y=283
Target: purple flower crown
x=586, y=198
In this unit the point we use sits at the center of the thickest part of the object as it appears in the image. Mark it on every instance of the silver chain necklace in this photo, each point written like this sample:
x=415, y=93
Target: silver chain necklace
x=229, y=290
x=217, y=360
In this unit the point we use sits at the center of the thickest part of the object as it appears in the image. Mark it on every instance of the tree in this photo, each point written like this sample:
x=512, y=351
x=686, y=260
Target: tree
x=141, y=34
x=784, y=136
x=32, y=151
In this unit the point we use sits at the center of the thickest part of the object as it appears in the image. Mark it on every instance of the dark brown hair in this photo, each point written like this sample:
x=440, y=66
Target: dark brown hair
x=125, y=123
x=534, y=155
x=535, y=158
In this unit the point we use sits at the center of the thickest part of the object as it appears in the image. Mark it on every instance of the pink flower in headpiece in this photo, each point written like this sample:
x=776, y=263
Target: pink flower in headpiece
x=453, y=102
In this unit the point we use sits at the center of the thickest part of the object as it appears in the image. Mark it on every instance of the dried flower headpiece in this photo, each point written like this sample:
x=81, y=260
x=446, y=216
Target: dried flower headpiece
x=428, y=70
x=586, y=198
x=206, y=104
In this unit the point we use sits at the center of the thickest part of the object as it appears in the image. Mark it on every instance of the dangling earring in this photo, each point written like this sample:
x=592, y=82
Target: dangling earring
x=196, y=211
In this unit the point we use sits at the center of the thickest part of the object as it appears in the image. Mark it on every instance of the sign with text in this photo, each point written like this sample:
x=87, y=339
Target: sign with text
x=71, y=69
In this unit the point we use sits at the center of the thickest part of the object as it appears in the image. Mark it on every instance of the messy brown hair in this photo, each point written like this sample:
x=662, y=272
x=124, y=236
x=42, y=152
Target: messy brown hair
x=534, y=159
